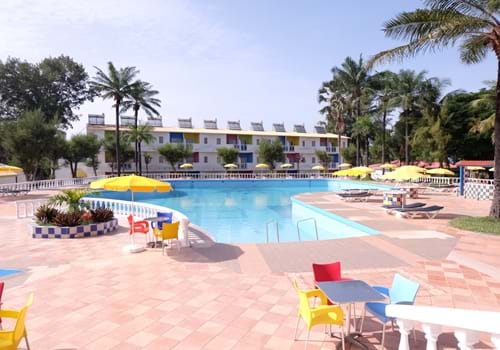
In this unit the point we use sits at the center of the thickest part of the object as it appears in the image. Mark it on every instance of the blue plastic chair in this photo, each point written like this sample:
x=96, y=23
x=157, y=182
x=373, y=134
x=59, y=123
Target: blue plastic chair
x=403, y=291
x=167, y=217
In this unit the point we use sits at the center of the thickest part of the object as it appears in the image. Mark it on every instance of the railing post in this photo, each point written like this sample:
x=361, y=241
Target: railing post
x=466, y=339
x=432, y=332
x=405, y=326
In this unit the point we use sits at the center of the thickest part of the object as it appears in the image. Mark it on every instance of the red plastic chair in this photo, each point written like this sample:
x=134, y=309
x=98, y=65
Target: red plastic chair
x=137, y=226
x=327, y=273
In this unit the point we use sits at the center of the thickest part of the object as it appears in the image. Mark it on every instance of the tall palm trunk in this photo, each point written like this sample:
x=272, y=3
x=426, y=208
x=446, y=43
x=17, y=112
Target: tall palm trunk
x=384, y=119
x=367, y=149
x=495, y=203
x=136, y=146
x=407, y=155
x=339, y=142
x=139, y=157
x=117, y=135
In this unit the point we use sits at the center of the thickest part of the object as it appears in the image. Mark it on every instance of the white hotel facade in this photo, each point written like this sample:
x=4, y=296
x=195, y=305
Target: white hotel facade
x=299, y=145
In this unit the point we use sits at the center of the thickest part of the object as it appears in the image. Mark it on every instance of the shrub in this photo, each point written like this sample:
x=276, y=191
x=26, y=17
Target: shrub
x=45, y=214
x=102, y=214
x=68, y=219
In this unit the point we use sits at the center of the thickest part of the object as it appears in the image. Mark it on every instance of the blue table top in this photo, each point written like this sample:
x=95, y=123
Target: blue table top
x=346, y=292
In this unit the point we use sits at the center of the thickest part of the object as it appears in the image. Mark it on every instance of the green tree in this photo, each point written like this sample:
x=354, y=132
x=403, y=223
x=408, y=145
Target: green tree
x=349, y=153
x=29, y=142
x=109, y=144
x=334, y=111
x=175, y=153
x=475, y=24
x=271, y=152
x=56, y=86
x=116, y=85
x=70, y=198
x=139, y=135
x=385, y=95
x=363, y=130
x=228, y=155
x=93, y=162
x=142, y=96
x=78, y=149
x=323, y=157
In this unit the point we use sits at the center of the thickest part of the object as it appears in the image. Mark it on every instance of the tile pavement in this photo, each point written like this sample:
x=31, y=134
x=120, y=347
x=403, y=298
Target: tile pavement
x=89, y=295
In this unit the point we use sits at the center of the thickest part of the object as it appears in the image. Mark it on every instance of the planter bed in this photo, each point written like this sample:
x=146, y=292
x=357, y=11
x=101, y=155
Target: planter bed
x=61, y=232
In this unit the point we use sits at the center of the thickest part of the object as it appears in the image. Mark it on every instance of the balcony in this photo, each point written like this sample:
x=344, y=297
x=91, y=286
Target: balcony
x=96, y=119
x=289, y=148
x=242, y=147
x=331, y=149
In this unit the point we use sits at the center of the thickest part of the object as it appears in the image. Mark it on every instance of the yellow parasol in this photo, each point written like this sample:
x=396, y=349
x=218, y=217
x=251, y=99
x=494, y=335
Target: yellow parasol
x=262, y=166
x=388, y=166
x=318, y=167
x=286, y=166
x=10, y=169
x=441, y=171
x=186, y=166
x=362, y=169
x=412, y=168
x=345, y=165
x=230, y=166
x=492, y=169
x=404, y=174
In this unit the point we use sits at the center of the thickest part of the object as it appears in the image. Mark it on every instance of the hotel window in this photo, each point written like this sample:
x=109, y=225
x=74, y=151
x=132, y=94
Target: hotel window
x=218, y=140
x=313, y=143
x=313, y=160
x=160, y=139
x=161, y=159
x=303, y=144
x=205, y=140
x=205, y=159
x=258, y=142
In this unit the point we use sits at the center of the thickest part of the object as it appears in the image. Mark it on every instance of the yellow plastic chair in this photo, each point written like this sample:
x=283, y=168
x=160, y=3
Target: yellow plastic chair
x=323, y=314
x=10, y=339
x=169, y=233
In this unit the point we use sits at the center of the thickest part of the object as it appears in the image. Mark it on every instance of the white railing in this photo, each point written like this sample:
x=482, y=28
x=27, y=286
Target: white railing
x=441, y=180
x=27, y=208
x=143, y=210
x=237, y=175
x=47, y=184
x=466, y=323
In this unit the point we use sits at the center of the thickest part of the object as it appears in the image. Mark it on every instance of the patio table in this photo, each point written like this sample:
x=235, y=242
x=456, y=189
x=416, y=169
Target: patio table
x=349, y=292
x=151, y=219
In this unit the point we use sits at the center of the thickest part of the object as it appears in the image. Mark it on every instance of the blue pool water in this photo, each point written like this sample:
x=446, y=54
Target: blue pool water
x=7, y=272
x=239, y=210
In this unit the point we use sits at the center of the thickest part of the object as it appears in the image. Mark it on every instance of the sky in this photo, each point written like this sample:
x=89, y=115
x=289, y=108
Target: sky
x=241, y=60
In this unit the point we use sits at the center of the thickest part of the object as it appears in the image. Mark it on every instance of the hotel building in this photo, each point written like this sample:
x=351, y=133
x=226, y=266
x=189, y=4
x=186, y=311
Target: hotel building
x=299, y=145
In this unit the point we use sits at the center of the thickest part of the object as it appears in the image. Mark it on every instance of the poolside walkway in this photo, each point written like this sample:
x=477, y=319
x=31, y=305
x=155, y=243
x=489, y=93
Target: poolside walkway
x=89, y=295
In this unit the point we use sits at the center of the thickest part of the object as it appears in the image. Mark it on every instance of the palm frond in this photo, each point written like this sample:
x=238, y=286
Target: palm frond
x=474, y=49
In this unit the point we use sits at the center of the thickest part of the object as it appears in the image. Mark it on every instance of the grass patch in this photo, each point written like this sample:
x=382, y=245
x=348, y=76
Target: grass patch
x=477, y=224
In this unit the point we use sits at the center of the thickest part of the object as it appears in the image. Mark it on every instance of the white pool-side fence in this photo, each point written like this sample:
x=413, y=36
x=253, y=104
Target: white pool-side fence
x=466, y=324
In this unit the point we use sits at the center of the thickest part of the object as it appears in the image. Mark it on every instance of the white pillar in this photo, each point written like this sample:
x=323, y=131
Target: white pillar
x=466, y=339
x=432, y=332
x=495, y=339
x=405, y=327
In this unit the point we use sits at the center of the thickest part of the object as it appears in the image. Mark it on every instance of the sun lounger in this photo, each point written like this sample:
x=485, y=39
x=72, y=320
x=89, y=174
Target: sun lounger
x=430, y=212
x=407, y=206
x=355, y=196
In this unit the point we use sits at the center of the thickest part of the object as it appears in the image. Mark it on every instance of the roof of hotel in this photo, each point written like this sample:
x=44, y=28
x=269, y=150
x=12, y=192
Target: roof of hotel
x=225, y=131
x=485, y=163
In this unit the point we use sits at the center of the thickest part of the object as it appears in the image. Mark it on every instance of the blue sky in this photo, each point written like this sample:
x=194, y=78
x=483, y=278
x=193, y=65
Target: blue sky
x=225, y=59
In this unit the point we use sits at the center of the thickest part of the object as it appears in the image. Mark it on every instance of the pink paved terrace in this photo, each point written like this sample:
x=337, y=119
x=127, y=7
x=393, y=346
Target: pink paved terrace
x=89, y=295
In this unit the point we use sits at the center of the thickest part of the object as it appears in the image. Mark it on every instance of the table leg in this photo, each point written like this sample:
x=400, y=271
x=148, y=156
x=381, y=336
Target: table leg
x=351, y=338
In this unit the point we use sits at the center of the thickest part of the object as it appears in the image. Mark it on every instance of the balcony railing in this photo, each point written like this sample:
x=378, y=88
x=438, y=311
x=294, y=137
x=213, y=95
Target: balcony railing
x=241, y=147
x=289, y=148
x=467, y=324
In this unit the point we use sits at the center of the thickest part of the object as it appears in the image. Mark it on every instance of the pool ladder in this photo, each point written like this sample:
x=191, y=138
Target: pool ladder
x=304, y=220
x=275, y=222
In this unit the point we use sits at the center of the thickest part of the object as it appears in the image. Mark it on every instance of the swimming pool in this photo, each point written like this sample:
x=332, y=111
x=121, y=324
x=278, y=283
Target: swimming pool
x=240, y=210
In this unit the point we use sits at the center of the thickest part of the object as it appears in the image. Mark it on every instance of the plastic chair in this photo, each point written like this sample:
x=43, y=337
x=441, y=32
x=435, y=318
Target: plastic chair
x=323, y=314
x=403, y=291
x=167, y=217
x=170, y=233
x=328, y=272
x=137, y=226
x=10, y=339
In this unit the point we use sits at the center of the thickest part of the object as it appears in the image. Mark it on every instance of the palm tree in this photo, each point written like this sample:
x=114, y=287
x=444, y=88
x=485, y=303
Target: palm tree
x=333, y=110
x=473, y=23
x=117, y=85
x=353, y=81
x=141, y=96
x=385, y=94
x=147, y=160
x=362, y=129
x=140, y=134
x=487, y=99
